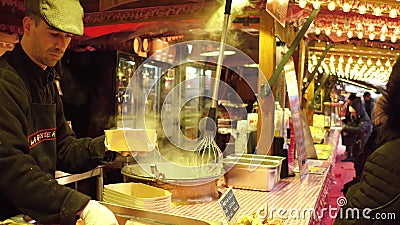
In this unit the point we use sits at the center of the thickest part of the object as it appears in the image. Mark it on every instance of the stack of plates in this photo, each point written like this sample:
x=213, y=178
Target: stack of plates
x=137, y=195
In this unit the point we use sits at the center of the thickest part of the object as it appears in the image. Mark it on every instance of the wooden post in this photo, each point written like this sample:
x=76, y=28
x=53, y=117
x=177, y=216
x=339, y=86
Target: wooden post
x=267, y=46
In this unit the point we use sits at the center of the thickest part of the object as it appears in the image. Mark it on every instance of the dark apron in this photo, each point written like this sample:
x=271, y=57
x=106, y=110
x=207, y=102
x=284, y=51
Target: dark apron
x=42, y=136
x=41, y=120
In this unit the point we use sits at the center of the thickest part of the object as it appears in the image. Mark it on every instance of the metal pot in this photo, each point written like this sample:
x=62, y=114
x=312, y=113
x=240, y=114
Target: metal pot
x=184, y=190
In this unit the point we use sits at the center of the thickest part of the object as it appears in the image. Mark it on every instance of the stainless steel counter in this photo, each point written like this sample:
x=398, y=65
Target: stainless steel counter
x=66, y=178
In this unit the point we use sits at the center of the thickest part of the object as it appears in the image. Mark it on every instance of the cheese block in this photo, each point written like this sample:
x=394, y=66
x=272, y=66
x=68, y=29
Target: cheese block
x=133, y=140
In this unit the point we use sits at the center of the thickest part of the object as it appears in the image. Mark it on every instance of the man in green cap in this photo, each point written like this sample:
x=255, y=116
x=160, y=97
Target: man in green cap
x=35, y=139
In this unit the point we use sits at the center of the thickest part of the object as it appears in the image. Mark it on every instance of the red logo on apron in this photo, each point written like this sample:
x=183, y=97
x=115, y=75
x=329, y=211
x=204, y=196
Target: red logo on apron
x=41, y=135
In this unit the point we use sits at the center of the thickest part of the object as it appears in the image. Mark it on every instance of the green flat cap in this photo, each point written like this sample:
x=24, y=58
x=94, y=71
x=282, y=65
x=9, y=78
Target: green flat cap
x=64, y=15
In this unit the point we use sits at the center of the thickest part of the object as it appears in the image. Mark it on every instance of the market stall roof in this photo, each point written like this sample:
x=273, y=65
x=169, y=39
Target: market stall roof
x=369, y=26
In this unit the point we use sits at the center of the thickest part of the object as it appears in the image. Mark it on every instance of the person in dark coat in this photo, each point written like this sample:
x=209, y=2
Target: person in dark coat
x=347, y=140
x=356, y=130
x=35, y=139
x=377, y=196
x=368, y=104
x=374, y=141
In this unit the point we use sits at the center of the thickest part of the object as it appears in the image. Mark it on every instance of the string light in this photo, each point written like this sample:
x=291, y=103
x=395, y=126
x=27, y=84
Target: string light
x=382, y=37
x=302, y=4
x=339, y=33
x=362, y=9
x=350, y=34
x=316, y=4
x=317, y=31
x=393, y=13
x=331, y=6
x=384, y=29
x=360, y=35
x=328, y=31
x=346, y=7
x=371, y=36
x=377, y=11
x=374, y=73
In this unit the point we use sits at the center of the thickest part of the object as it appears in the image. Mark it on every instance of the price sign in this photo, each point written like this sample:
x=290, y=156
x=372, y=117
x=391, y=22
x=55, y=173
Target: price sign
x=229, y=204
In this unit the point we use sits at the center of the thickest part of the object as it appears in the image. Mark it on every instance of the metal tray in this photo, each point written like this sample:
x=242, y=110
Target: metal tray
x=247, y=173
x=255, y=157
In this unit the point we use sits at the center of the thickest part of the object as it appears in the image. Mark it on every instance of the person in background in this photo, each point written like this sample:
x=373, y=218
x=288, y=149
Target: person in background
x=35, y=139
x=356, y=131
x=374, y=141
x=378, y=191
x=368, y=104
x=347, y=140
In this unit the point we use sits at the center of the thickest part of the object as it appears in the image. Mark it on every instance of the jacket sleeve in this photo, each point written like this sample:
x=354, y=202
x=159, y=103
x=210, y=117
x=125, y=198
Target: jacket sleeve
x=363, y=126
x=77, y=155
x=24, y=185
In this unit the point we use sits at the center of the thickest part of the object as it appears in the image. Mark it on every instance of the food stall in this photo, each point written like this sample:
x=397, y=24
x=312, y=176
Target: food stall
x=299, y=200
x=292, y=193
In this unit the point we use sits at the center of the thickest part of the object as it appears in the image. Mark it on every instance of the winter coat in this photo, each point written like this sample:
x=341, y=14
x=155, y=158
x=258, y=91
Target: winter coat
x=35, y=141
x=357, y=129
x=378, y=189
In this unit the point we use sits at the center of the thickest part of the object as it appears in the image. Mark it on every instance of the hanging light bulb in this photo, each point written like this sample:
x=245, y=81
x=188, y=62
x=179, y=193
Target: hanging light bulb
x=388, y=64
x=377, y=11
x=393, y=13
x=384, y=29
x=332, y=59
x=341, y=59
x=393, y=39
x=350, y=34
x=317, y=31
x=316, y=4
x=359, y=61
x=359, y=26
x=302, y=4
x=369, y=62
x=350, y=60
x=396, y=30
x=362, y=9
x=328, y=31
x=371, y=36
x=371, y=28
x=360, y=35
x=314, y=58
x=331, y=6
x=382, y=37
x=346, y=7
x=339, y=33
x=378, y=63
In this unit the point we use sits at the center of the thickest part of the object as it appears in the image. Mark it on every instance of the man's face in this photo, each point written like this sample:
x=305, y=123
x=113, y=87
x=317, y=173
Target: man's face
x=46, y=46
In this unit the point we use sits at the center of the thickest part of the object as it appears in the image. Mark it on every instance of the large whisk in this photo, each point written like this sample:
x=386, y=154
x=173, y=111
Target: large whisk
x=210, y=161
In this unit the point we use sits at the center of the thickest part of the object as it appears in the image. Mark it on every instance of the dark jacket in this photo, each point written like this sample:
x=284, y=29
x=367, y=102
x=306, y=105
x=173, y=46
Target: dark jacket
x=359, y=128
x=378, y=189
x=29, y=153
x=369, y=107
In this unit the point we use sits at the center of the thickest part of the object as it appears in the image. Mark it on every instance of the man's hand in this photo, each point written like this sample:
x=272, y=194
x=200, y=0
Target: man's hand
x=97, y=214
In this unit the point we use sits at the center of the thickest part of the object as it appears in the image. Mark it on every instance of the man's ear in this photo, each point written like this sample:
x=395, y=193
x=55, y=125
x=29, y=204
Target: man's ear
x=27, y=24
